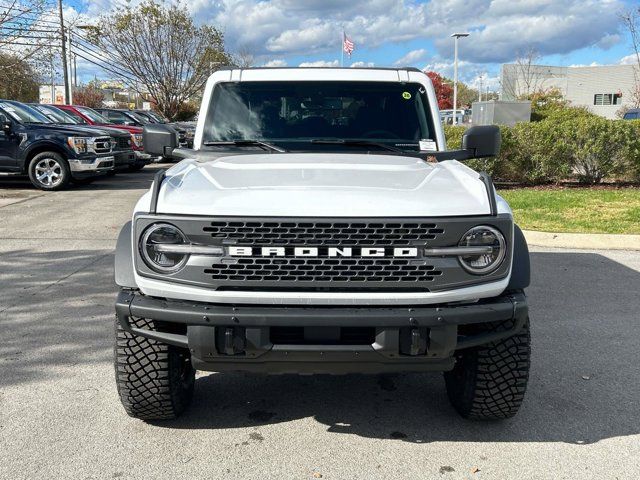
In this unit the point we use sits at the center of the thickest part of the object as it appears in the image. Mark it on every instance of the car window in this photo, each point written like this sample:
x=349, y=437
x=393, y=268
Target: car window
x=52, y=114
x=23, y=113
x=631, y=116
x=117, y=118
x=395, y=113
x=92, y=115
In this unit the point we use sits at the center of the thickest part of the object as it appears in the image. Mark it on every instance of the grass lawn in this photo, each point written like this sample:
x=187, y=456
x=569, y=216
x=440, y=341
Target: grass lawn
x=583, y=210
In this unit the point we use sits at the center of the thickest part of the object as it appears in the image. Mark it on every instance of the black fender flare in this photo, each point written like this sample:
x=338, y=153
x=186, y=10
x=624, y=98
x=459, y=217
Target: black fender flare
x=123, y=270
x=521, y=266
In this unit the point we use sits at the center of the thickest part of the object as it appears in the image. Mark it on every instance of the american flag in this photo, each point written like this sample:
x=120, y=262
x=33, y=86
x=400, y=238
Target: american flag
x=347, y=45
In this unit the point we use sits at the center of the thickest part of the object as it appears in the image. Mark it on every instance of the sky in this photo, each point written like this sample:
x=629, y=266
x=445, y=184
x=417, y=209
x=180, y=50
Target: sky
x=411, y=32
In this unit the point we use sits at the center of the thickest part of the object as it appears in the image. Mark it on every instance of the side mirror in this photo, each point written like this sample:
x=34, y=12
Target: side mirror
x=482, y=141
x=159, y=139
x=5, y=124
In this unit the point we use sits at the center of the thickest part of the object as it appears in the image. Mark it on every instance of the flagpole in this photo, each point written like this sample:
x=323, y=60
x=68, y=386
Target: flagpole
x=342, y=50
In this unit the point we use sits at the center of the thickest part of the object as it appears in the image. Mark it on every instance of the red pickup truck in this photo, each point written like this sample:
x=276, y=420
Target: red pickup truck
x=91, y=117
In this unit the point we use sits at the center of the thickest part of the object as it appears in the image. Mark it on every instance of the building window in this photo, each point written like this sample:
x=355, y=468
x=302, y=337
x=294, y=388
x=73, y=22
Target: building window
x=607, y=99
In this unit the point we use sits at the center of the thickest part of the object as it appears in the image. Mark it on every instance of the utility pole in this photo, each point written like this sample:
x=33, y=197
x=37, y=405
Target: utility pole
x=480, y=88
x=71, y=72
x=67, y=90
x=456, y=36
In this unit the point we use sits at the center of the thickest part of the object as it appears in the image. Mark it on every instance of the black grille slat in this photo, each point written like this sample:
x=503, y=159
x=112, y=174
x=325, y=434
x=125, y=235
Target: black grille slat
x=314, y=270
x=318, y=234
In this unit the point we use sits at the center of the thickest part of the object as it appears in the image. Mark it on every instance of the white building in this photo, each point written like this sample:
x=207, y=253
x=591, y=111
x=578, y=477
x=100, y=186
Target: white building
x=602, y=89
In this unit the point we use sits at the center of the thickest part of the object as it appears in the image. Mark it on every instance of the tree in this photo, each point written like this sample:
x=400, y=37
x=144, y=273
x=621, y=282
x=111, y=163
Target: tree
x=523, y=77
x=244, y=57
x=444, y=91
x=466, y=95
x=19, y=80
x=88, y=95
x=631, y=21
x=159, y=50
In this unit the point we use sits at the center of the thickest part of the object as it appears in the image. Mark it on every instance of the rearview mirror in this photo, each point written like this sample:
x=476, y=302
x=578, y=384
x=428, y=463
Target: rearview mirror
x=159, y=139
x=5, y=124
x=482, y=141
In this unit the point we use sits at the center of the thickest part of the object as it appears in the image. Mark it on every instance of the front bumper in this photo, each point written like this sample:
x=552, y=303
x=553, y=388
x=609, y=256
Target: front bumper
x=141, y=156
x=125, y=158
x=91, y=164
x=240, y=338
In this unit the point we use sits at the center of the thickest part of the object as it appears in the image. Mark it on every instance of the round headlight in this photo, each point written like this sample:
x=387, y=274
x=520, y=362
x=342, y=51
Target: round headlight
x=162, y=261
x=483, y=236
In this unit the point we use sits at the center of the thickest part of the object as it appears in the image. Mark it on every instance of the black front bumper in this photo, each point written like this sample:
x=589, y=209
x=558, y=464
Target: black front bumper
x=224, y=337
x=124, y=159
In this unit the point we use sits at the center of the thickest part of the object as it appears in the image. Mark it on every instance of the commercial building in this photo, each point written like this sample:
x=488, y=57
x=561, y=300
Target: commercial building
x=604, y=89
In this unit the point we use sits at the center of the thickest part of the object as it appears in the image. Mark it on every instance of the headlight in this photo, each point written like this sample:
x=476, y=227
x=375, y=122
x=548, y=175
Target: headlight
x=483, y=236
x=78, y=144
x=137, y=139
x=156, y=236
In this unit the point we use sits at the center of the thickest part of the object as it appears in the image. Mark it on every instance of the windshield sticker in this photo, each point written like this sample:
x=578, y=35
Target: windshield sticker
x=10, y=110
x=406, y=95
x=427, y=145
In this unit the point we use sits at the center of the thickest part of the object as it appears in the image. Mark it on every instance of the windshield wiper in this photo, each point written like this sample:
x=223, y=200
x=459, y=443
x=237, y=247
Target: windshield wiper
x=357, y=143
x=246, y=143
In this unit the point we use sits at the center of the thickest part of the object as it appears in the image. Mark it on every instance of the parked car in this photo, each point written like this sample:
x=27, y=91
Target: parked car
x=139, y=118
x=186, y=130
x=91, y=117
x=51, y=155
x=123, y=154
x=632, y=114
x=329, y=232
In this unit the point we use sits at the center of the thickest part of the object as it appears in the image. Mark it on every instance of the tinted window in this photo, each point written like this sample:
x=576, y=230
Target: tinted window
x=92, y=115
x=23, y=113
x=394, y=113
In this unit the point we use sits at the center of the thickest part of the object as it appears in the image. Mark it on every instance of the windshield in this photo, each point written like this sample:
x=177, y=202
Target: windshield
x=23, y=113
x=139, y=118
x=55, y=115
x=92, y=115
x=392, y=113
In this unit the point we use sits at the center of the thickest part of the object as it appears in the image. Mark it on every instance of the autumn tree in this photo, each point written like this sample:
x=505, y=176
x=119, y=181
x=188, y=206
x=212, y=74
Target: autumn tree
x=88, y=95
x=631, y=21
x=444, y=91
x=19, y=79
x=160, y=51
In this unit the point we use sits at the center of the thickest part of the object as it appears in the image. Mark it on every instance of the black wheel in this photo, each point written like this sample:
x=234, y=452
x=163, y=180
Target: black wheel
x=155, y=380
x=136, y=166
x=49, y=171
x=489, y=382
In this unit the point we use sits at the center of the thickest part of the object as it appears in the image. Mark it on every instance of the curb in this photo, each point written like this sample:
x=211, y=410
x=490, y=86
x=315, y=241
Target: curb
x=586, y=241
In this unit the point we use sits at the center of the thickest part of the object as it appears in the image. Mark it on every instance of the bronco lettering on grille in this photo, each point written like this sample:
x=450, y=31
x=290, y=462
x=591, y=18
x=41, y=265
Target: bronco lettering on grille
x=322, y=252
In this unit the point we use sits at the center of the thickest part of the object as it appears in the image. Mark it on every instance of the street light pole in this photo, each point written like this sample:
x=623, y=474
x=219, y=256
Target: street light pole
x=67, y=90
x=456, y=36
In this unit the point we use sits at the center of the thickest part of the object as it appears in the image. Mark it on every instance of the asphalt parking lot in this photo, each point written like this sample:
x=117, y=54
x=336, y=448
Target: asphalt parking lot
x=60, y=416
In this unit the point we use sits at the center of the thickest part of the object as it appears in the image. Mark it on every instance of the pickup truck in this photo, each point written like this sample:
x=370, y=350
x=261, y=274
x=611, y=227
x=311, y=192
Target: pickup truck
x=93, y=118
x=51, y=155
x=321, y=225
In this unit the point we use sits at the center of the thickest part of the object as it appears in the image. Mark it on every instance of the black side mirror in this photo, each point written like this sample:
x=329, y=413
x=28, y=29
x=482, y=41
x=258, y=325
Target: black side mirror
x=5, y=124
x=482, y=141
x=159, y=139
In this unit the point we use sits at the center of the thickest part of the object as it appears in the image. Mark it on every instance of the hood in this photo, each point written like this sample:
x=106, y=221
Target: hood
x=127, y=128
x=76, y=130
x=322, y=185
x=95, y=131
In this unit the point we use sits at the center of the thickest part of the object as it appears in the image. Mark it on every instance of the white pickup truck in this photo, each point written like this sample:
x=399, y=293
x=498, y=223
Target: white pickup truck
x=320, y=225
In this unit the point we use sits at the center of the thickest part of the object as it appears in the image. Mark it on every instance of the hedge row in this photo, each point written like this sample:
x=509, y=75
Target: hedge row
x=563, y=147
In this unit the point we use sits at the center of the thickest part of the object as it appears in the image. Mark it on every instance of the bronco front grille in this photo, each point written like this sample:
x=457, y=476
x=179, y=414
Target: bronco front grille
x=324, y=270
x=324, y=233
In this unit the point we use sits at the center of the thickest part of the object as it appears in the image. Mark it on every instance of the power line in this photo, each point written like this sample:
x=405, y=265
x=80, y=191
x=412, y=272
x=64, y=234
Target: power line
x=93, y=62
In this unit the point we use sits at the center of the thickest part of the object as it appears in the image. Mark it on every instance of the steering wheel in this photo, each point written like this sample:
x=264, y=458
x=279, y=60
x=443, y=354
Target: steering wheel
x=380, y=133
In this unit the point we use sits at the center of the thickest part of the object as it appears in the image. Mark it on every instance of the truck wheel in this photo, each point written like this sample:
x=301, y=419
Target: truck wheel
x=155, y=380
x=49, y=171
x=488, y=382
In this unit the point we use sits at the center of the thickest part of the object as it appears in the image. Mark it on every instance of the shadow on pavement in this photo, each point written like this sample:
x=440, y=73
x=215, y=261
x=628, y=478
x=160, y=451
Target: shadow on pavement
x=57, y=309
x=584, y=384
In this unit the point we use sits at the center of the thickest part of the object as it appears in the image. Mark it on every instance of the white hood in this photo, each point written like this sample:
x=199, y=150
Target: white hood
x=322, y=185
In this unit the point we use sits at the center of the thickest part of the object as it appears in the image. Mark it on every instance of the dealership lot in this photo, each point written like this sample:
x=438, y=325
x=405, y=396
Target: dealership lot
x=60, y=416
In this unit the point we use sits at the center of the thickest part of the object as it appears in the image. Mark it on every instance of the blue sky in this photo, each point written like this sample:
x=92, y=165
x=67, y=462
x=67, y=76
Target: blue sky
x=412, y=32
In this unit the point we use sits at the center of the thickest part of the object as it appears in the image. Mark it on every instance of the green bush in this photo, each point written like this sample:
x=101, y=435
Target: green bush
x=569, y=144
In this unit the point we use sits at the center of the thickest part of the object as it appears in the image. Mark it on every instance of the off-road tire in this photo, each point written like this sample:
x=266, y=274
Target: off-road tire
x=64, y=172
x=489, y=382
x=155, y=380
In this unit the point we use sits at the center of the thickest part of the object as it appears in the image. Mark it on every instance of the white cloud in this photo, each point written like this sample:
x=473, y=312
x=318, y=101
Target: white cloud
x=629, y=60
x=276, y=63
x=320, y=63
x=412, y=57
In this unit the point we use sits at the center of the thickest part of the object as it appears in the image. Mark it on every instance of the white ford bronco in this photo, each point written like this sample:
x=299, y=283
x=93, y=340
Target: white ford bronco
x=320, y=225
